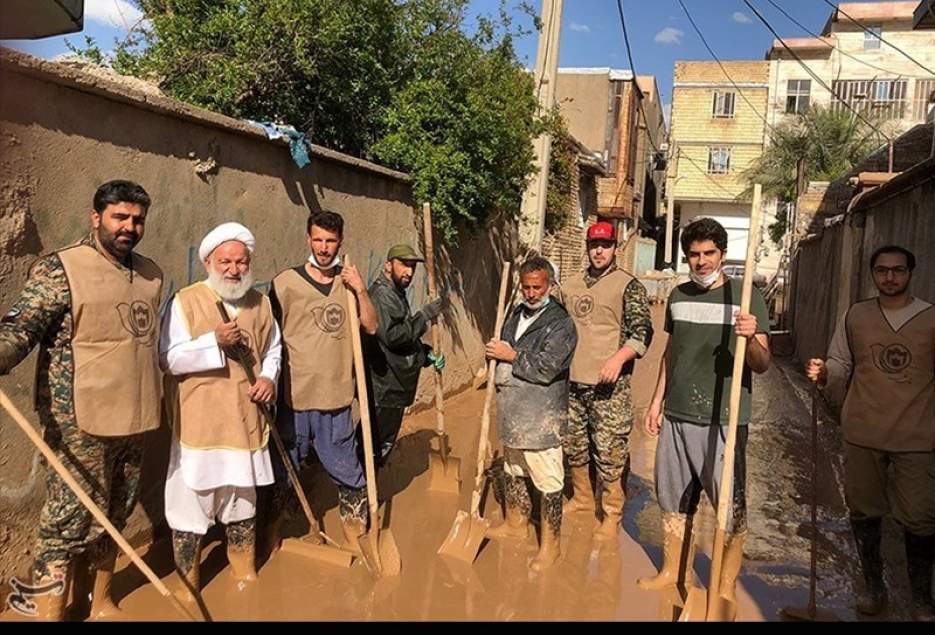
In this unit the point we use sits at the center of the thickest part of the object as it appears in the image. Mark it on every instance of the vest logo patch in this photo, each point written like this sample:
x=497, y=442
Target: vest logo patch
x=329, y=318
x=893, y=359
x=582, y=305
x=138, y=320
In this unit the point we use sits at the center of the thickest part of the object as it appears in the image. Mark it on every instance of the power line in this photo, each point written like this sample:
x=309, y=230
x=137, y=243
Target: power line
x=704, y=172
x=879, y=37
x=812, y=73
x=723, y=70
x=829, y=44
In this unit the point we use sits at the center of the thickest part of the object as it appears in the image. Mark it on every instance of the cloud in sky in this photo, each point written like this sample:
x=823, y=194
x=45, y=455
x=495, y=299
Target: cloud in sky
x=669, y=35
x=740, y=17
x=117, y=14
x=580, y=28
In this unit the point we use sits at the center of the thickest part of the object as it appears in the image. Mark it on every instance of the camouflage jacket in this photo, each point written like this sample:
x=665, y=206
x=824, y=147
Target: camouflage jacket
x=42, y=315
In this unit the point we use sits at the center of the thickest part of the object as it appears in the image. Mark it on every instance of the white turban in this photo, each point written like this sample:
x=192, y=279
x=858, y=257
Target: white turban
x=223, y=233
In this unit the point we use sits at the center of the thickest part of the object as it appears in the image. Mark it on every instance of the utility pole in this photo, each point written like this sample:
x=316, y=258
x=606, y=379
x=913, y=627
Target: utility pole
x=670, y=206
x=532, y=209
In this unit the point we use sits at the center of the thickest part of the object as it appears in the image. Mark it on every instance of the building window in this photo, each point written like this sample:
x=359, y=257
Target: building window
x=718, y=160
x=797, y=96
x=872, y=36
x=882, y=98
x=924, y=98
x=723, y=105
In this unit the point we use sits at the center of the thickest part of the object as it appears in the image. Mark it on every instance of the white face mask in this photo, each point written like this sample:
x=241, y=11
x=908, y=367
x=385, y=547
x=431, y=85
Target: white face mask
x=314, y=262
x=705, y=281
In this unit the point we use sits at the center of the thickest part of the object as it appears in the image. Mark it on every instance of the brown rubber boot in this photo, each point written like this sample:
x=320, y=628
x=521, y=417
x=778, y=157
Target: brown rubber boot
x=354, y=528
x=612, y=500
x=50, y=605
x=82, y=584
x=678, y=555
x=103, y=605
x=518, y=508
x=550, y=530
x=241, y=549
x=583, y=498
x=186, y=550
x=730, y=570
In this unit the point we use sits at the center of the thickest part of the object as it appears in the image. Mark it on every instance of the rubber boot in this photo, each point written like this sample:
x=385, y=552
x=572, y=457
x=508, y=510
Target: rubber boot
x=50, y=604
x=82, y=585
x=678, y=555
x=583, y=498
x=872, y=601
x=241, y=549
x=730, y=570
x=103, y=604
x=550, y=531
x=518, y=508
x=920, y=557
x=612, y=500
x=354, y=528
x=186, y=550
x=352, y=507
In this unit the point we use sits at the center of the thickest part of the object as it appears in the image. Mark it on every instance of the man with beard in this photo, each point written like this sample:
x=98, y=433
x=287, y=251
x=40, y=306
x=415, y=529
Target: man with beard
x=92, y=309
x=311, y=304
x=883, y=353
x=219, y=453
x=396, y=355
x=535, y=350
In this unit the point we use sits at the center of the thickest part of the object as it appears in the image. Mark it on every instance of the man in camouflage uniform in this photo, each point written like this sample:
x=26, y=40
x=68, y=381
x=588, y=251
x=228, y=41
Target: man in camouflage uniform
x=97, y=290
x=611, y=314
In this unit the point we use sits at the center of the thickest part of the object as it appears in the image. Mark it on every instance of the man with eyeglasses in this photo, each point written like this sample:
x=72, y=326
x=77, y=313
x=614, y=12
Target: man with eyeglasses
x=884, y=351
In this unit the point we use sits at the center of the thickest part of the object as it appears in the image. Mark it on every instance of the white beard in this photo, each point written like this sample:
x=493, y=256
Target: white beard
x=229, y=291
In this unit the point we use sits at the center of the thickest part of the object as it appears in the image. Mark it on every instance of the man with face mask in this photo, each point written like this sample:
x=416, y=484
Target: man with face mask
x=611, y=312
x=396, y=355
x=883, y=354
x=534, y=350
x=317, y=385
x=690, y=407
x=94, y=402
x=219, y=453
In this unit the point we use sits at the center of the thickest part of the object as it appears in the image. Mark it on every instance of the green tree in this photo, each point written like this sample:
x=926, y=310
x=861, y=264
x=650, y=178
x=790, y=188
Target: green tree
x=830, y=142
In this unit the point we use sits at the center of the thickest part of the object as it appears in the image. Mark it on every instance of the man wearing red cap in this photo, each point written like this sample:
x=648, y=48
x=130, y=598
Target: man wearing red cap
x=611, y=314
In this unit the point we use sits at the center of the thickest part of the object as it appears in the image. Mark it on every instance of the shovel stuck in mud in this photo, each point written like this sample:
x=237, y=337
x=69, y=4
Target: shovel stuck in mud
x=469, y=528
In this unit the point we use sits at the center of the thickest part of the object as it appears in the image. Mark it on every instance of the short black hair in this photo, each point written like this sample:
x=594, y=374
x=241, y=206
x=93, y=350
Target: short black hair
x=114, y=192
x=537, y=263
x=330, y=221
x=894, y=249
x=701, y=230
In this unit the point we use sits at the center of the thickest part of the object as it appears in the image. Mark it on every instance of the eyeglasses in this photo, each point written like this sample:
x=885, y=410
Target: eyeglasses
x=896, y=271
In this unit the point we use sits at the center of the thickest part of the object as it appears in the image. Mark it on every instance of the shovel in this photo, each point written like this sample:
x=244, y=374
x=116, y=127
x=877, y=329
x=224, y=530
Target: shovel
x=310, y=545
x=812, y=613
x=469, y=528
x=444, y=470
x=710, y=605
x=381, y=555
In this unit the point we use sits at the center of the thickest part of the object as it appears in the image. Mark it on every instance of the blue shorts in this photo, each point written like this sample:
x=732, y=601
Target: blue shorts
x=330, y=433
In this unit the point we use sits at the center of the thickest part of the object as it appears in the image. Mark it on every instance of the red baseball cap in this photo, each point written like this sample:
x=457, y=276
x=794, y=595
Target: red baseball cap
x=601, y=231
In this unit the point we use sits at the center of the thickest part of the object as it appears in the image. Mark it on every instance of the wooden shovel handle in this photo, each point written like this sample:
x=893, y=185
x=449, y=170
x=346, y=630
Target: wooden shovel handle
x=436, y=328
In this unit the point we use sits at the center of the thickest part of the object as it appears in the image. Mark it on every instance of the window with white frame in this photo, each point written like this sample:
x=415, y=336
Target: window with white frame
x=872, y=36
x=718, y=160
x=798, y=96
x=723, y=105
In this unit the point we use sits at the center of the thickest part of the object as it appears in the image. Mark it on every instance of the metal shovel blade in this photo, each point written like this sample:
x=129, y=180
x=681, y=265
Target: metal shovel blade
x=444, y=469
x=465, y=538
x=317, y=551
x=389, y=553
x=807, y=614
x=370, y=551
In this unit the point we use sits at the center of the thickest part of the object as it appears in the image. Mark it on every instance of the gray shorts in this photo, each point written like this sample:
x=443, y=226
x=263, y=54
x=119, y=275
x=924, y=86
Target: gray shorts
x=689, y=459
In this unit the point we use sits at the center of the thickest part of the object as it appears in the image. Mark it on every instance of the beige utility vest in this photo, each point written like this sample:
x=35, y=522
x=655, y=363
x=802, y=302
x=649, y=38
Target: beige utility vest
x=890, y=403
x=318, y=362
x=117, y=388
x=214, y=410
x=597, y=312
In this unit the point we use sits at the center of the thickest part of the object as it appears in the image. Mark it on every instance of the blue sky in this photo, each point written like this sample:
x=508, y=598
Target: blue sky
x=659, y=32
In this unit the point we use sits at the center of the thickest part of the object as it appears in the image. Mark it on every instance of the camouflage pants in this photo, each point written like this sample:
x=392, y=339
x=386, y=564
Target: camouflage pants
x=599, y=422
x=108, y=469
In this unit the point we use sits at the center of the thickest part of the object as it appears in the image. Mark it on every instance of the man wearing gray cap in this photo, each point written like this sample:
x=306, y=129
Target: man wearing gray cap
x=396, y=354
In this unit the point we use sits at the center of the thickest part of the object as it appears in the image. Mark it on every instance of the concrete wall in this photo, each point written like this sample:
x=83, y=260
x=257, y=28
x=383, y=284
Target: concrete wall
x=585, y=101
x=63, y=132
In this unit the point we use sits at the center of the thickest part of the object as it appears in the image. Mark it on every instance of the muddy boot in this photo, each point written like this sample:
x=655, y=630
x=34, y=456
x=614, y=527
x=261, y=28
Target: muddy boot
x=82, y=583
x=583, y=498
x=52, y=581
x=241, y=549
x=678, y=555
x=518, y=508
x=186, y=551
x=920, y=557
x=730, y=570
x=103, y=604
x=354, y=528
x=550, y=531
x=352, y=507
x=612, y=505
x=867, y=536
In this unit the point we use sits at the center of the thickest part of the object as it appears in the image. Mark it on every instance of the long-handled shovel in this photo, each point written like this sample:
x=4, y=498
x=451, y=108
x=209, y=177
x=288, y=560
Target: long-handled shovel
x=335, y=554
x=710, y=605
x=469, y=528
x=812, y=613
x=90, y=505
x=379, y=548
x=444, y=469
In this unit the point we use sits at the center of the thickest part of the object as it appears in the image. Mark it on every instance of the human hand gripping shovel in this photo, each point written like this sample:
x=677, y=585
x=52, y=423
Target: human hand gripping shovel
x=710, y=605
x=444, y=469
x=469, y=528
x=381, y=555
x=309, y=545
x=95, y=511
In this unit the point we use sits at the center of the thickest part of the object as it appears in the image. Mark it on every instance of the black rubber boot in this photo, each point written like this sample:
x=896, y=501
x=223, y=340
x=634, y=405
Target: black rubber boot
x=920, y=557
x=867, y=536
